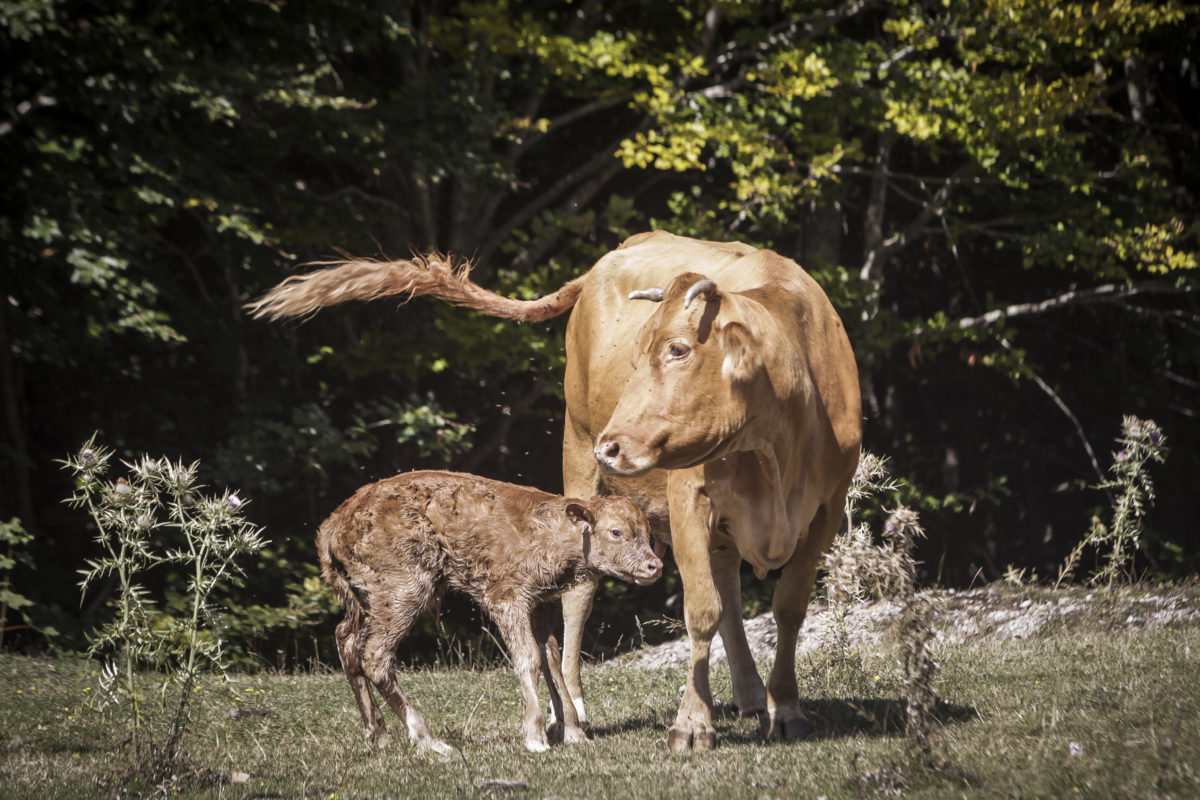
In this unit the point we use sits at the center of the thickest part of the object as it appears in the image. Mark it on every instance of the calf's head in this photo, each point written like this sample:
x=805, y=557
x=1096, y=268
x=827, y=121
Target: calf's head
x=617, y=539
x=687, y=400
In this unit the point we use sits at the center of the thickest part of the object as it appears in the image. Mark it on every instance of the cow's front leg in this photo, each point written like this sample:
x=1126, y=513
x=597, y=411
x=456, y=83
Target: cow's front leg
x=749, y=694
x=785, y=719
x=690, y=533
x=576, y=606
x=581, y=478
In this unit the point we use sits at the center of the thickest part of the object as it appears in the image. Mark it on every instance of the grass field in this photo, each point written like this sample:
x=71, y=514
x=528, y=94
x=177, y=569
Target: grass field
x=1102, y=702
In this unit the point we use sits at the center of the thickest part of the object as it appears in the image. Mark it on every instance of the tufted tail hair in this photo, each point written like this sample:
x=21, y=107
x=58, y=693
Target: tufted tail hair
x=433, y=274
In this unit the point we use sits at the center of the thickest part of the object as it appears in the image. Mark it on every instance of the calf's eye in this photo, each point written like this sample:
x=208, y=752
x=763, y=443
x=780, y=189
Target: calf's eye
x=615, y=533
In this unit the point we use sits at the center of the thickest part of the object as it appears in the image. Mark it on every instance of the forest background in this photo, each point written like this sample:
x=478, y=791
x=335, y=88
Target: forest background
x=999, y=196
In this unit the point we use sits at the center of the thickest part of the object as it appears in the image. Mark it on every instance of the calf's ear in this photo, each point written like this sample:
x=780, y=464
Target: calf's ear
x=577, y=513
x=741, y=354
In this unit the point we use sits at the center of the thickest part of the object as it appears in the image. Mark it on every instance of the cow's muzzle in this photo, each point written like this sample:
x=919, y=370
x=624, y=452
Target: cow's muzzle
x=614, y=456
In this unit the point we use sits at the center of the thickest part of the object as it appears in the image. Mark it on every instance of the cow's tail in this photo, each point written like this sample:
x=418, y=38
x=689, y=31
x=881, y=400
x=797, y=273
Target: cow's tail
x=334, y=573
x=435, y=275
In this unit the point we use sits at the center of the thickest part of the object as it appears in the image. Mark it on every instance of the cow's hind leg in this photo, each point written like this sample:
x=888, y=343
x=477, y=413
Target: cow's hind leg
x=785, y=719
x=346, y=637
x=581, y=478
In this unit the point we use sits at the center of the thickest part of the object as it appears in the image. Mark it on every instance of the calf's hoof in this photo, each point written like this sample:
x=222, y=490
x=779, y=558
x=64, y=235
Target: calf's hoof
x=681, y=739
x=574, y=736
x=537, y=745
x=382, y=740
x=435, y=747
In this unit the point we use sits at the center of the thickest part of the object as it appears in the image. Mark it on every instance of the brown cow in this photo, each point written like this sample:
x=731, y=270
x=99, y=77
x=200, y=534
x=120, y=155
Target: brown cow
x=729, y=410
x=394, y=547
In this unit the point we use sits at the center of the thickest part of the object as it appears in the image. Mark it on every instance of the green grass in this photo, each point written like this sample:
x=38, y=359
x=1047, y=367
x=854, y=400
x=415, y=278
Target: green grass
x=1089, y=707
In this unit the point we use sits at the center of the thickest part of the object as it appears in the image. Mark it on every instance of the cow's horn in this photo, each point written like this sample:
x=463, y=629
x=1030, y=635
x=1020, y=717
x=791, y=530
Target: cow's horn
x=653, y=293
x=698, y=288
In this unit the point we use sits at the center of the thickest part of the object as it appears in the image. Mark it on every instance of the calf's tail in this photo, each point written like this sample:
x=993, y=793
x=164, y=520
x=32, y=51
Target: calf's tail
x=334, y=574
x=433, y=274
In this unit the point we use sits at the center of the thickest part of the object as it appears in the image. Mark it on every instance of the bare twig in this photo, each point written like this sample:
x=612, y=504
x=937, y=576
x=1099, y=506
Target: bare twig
x=1065, y=409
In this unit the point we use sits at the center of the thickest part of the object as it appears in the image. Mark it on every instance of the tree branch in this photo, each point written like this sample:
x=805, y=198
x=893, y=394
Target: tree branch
x=598, y=163
x=563, y=120
x=1105, y=293
x=1066, y=410
x=877, y=255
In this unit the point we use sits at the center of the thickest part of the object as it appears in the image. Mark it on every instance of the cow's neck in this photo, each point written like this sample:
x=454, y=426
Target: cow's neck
x=760, y=493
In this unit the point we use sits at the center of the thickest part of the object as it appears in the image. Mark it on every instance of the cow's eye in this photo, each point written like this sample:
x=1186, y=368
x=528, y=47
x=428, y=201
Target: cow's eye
x=677, y=350
x=616, y=533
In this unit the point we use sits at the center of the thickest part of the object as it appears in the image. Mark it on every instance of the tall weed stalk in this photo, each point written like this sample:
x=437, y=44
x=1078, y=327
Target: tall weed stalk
x=1141, y=443
x=157, y=519
x=861, y=567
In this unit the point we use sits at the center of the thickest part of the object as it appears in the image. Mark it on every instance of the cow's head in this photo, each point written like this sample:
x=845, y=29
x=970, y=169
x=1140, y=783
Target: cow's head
x=687, y=399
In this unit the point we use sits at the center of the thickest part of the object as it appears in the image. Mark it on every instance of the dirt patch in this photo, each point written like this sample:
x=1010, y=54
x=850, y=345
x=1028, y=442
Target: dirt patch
x=999, y=612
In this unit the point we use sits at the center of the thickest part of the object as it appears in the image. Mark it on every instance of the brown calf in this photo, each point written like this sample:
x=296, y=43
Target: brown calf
x=394, y=547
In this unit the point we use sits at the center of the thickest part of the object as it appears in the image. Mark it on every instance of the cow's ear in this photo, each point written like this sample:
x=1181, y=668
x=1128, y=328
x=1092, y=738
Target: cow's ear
x=578, y=513
x=741, y=353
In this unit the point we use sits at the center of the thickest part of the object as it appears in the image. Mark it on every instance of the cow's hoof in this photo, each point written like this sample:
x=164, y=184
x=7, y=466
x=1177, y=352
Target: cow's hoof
x=680, y=740
x=791, y=729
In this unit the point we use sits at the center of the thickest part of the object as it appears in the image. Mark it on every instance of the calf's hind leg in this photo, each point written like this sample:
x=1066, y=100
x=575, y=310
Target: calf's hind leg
x=379, y=663
x=377, y=652
x=346, y=636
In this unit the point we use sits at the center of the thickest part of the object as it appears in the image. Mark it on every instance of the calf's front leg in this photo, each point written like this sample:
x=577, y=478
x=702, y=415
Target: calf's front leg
x=517, y=631
x=561, y=705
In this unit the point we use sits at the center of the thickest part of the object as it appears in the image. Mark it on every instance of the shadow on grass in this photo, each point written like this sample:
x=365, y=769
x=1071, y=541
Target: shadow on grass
x=628, y=725
x=828, y=719
x=838, y=719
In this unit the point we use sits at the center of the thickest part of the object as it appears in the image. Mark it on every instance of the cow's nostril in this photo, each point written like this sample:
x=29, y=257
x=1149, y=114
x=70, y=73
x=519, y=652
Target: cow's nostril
x=610, y=450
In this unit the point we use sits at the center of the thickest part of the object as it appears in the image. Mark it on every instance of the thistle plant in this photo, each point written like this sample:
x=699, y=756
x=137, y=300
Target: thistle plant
x=1132, y=491
x=854, y=570
x=157, y=519
x=914, y=630
x=858, y=568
